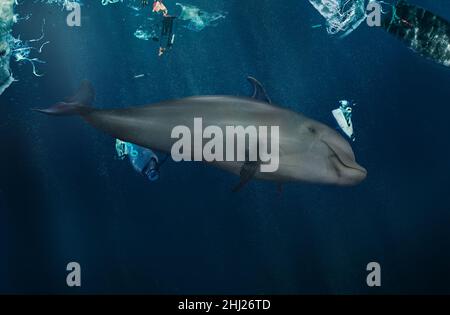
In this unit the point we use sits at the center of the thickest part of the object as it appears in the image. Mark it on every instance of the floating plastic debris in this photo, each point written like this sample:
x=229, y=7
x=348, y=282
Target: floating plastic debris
x=106, y=2
x=342, y=16
x=16, y=49
x=143, y=34
x=343, y=116
x=198, y=19
x=144, y=161
x=7, y=19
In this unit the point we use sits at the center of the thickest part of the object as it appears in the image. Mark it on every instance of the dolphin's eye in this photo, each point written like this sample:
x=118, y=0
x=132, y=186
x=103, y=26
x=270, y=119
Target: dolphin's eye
x=312, y=130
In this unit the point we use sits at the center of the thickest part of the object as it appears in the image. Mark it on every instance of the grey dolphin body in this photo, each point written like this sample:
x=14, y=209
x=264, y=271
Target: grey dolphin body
x=309, y=151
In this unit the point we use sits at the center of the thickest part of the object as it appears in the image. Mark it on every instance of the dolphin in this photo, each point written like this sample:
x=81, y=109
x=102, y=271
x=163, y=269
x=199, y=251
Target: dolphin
x=309, y=151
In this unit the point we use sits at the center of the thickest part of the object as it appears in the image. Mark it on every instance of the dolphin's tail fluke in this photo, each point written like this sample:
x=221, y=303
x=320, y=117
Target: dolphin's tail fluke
x=79, y=104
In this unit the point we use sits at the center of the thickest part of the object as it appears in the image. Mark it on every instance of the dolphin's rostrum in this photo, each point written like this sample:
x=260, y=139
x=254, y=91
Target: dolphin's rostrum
x=309, y=151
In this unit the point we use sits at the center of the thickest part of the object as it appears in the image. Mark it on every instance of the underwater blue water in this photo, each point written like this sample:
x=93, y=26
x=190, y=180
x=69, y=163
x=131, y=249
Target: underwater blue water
x=64, y=196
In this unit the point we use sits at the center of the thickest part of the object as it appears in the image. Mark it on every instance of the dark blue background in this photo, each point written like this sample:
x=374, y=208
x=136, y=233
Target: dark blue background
x=64, y=197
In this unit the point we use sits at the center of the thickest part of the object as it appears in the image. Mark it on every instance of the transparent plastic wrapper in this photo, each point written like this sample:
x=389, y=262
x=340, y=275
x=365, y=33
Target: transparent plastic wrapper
x=198, y=19
x=342, y=16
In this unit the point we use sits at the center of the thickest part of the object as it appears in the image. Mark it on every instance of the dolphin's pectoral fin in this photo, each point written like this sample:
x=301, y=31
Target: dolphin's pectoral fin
x=248, y=171
x=259, y=92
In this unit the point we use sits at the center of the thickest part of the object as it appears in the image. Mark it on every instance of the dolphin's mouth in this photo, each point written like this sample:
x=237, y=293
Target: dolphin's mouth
x=346, y=161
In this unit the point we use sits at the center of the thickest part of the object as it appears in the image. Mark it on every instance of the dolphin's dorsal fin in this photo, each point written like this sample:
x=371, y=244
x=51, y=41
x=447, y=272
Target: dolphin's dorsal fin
x=84, y=96
x=259, y=92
